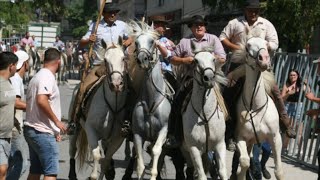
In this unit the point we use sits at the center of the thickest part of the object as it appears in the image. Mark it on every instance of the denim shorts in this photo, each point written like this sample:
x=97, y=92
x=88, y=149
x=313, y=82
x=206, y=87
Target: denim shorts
x=5, y=147
x=44, y=153
x=294, y=110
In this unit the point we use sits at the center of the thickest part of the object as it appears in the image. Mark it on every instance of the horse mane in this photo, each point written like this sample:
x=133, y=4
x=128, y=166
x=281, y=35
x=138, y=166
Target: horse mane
x=269, y=81
x=138, y=28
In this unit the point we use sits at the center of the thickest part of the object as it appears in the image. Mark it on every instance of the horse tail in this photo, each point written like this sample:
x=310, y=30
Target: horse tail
x=82, y=146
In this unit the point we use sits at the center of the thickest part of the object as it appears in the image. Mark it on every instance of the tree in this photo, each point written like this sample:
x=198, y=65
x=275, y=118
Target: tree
x=295, y=21
x=15, y=14
x=79, y=13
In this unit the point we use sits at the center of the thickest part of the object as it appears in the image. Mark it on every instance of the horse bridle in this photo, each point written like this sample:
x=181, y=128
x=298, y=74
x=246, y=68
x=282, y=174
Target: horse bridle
x=201, y=73
x=110, y=73
x=149, y=54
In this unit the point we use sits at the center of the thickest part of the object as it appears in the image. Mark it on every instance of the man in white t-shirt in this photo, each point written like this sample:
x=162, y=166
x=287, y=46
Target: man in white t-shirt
x=19, y=149
x=43, y=119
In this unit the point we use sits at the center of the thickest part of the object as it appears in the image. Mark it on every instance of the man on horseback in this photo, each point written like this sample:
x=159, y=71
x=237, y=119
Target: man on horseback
x=184, y=57
x=26, y=41
x=165, y=46
x=232, y=37
x=109, y=30
x=59, y=44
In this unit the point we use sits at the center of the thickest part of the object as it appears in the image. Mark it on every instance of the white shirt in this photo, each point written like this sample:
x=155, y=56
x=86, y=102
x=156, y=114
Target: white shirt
x=43, y=83
x=236, y=29
x=108, y=33
x=17, y=84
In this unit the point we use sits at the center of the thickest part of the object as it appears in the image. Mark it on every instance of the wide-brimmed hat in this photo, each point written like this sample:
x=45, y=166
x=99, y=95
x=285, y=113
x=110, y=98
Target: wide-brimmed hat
x=159, y=18
x=110, y=7
x=22, y=57
x=196, y=19
x=252, y=4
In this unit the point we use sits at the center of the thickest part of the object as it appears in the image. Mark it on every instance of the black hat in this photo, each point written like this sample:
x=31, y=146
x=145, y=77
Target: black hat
x=254, y=4
x=110, y=7
x=196, y=19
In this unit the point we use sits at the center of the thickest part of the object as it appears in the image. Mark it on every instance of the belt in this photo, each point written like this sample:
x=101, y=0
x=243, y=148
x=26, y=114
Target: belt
x=6, y=139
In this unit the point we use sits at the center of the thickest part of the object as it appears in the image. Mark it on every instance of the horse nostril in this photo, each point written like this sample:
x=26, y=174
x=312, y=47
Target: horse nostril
x=206, y=78
x=121, y=83
x=146, y=59
x=260, y=58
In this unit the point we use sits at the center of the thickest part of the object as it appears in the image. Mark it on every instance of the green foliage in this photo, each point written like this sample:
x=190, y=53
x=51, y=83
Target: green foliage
x=17, y=15
x=79, y=13
x=295, y=20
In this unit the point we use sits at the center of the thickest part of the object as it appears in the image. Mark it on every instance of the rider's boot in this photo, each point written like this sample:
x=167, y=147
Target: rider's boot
x=283, y=116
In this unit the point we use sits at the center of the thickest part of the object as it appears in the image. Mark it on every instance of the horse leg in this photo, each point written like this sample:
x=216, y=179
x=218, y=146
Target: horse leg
x=113, y=146
x=72, y=154
x=244, y=159
x=138, y=143
x=276, y=148
x=220, y=152
x=93, y=142
x=156, y=151
x=128, y=173
x=178, y=162
x=197, y=162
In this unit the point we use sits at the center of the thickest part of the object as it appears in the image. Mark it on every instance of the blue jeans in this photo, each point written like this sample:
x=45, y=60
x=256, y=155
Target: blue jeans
x=294, y=110
x=259, y=165
x=44, y=153
x=18, y=160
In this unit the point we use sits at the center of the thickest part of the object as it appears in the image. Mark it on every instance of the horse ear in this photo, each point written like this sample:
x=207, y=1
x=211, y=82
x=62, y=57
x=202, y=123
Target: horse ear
x=152, y=26
x=120, y=40
x=103, y=43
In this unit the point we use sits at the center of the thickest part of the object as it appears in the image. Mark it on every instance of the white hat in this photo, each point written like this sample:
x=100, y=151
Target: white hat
x=22, y=57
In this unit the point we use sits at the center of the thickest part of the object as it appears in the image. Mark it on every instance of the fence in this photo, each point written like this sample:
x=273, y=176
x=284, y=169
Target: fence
x=306, y=152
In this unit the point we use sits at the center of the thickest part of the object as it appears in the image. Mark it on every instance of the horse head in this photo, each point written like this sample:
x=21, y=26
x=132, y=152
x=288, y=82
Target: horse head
x=254, y=51
x=207, y=70
x=145, y=42
x=115, y=65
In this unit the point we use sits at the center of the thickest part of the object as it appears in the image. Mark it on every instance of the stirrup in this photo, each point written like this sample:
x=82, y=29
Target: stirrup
x=71, y=129
x=126, y=128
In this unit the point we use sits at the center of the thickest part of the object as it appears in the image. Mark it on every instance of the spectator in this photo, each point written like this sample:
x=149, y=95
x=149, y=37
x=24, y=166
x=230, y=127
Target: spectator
x=26, y=41
x=3, y=47
x=8, y=62
x=38, y=13
x=18, y=156
x=59, y=44
x=314, y=113
x=290, y=94
x=43, y=119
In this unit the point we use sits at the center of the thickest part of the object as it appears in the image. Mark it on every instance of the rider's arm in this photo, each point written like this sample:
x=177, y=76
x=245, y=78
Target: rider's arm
x=227, y=43
x=226, y=36
x=271, y=37
x=176, y=60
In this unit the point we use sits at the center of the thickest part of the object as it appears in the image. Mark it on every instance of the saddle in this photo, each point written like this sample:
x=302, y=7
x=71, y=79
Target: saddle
x=88, y=97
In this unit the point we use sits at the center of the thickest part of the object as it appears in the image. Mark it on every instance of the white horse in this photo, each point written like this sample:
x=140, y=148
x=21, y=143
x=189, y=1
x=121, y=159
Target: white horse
x=257, y=114
x=104, y=116
x=204, y=121
x=151, y=113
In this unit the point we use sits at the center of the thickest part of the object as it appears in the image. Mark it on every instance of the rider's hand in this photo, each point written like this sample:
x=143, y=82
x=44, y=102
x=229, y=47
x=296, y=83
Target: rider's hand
x=232, y=81
x=93, y=38
x=188, y=60
x=61, y=126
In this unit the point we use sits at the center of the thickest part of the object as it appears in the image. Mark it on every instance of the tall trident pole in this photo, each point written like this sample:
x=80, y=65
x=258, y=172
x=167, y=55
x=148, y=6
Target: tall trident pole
x=94, y=32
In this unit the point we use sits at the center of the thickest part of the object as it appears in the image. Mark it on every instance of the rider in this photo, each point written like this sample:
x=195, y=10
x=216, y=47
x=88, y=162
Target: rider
x=165, y=46
x=109, y=29
x=231, y=37
x=58, y=44
x=183, y=56
x=26, y=41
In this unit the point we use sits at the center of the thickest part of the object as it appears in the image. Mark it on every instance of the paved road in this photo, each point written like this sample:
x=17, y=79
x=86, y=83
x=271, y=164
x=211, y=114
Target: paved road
x=292, y=170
